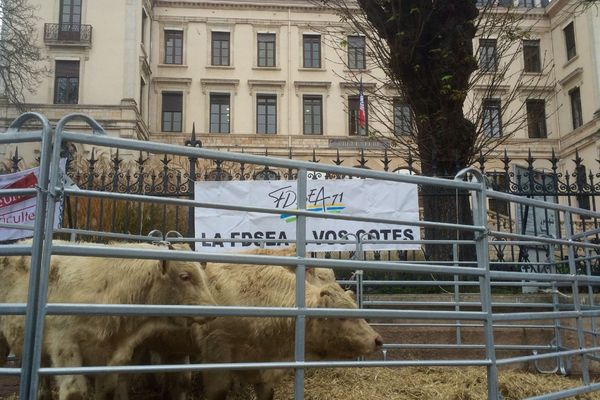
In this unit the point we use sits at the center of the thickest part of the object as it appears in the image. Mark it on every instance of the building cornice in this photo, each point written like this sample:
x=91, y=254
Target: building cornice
x=577, y=72
x=356, y=85
x=231, y=83
x=536, y=88
x=494, y=90
x=265, y=82
x=584, y=136
x=301, y=5
x=313, y=84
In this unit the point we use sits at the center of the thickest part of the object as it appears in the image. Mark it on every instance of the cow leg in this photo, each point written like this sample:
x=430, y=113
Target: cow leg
x=105, y=386
x=70, y=387
x=264, y=391
x=177, y=384
x=122, y=392
x=45, y=388
x=4, y=349
x=216, y=384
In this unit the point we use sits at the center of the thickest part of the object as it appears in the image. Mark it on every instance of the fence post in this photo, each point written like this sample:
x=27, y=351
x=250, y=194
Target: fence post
x=483, y=262
x=585, y=372
x=29, y=371
x=299, y=336
x=455, y=258
x=191, y=183
x=561, y=366
x=32, y=348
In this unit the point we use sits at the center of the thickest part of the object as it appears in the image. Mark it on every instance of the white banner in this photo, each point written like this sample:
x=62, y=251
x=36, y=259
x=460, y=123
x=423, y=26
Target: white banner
x=20, y=210
x=351, y=197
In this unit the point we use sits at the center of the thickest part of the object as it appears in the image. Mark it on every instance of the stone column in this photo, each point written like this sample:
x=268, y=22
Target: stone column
x=130, y=46
x=594, y=38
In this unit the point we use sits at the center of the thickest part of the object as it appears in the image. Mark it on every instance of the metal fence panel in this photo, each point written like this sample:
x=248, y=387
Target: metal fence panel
x=562, y=261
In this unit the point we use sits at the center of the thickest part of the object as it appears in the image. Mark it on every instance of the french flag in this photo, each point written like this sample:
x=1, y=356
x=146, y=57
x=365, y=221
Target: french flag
x=361, y=106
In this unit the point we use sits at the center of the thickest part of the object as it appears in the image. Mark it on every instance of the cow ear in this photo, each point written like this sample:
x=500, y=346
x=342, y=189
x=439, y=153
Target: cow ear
x=325, y=299
x=351, y=294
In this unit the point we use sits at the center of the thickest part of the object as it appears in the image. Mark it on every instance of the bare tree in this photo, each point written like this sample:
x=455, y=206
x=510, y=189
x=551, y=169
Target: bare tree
x=422, y=53
x=21, y=66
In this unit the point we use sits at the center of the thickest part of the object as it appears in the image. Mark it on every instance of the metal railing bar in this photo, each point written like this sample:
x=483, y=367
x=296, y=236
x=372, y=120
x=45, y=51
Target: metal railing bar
x=10, y=371
x=563, y=242
x=17, y=226
x=567, y=393
x=452, y=304
x=564, y=353
x=13, y=136
x=87, y=232
x=544, y=315
x=264, y=210
x=449, y=346
x=540, y=203
x=12, y=308
x=543, y=277
x=496, y=326
x=15, y=250
x=442, y=283
x=240, y=258
x=193, y=310
x=256, y=365
x=585, y=233
x=187, y=151
x=18, y=192
x=568, y=328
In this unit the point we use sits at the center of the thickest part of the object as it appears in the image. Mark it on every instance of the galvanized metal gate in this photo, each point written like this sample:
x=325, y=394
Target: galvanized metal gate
x=574, y=243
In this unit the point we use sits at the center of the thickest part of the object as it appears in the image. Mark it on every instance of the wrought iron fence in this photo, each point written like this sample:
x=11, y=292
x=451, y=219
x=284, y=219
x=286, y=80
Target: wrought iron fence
x=77, y=33
x=172, y=176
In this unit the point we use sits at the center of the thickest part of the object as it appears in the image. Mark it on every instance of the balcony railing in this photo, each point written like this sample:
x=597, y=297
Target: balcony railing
x=68, y=33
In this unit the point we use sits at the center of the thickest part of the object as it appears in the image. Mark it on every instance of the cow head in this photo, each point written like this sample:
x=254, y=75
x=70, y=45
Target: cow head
x=320, y=276
x=339, y=338
x=184, y=282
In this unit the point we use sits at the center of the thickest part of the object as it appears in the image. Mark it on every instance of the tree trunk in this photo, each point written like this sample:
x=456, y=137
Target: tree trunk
x=449, y=206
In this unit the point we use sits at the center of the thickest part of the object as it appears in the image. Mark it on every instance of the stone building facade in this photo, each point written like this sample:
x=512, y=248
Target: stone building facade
x=270, y=76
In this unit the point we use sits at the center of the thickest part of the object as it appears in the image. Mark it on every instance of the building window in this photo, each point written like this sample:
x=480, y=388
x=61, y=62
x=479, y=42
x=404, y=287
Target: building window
x=488, y=61
x=527, y=3
x=173, y=47
x=353, y=115
x=142, y=94
x=313, y=115
x=536, y=118
x=66, y=82
x=492, y=120
x=403, y=118
x=219, y=113
x=570, y=41
x=172, y=110
x=576, y=115
x=266, y=49
x=311, y=45
x=356, y=52
x=220, y=48
x=70, y=20
x=531, y=56
x=266, y=113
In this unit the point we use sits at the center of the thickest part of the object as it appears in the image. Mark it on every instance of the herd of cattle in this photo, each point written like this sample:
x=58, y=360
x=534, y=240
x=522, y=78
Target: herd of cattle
x=71, y=341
